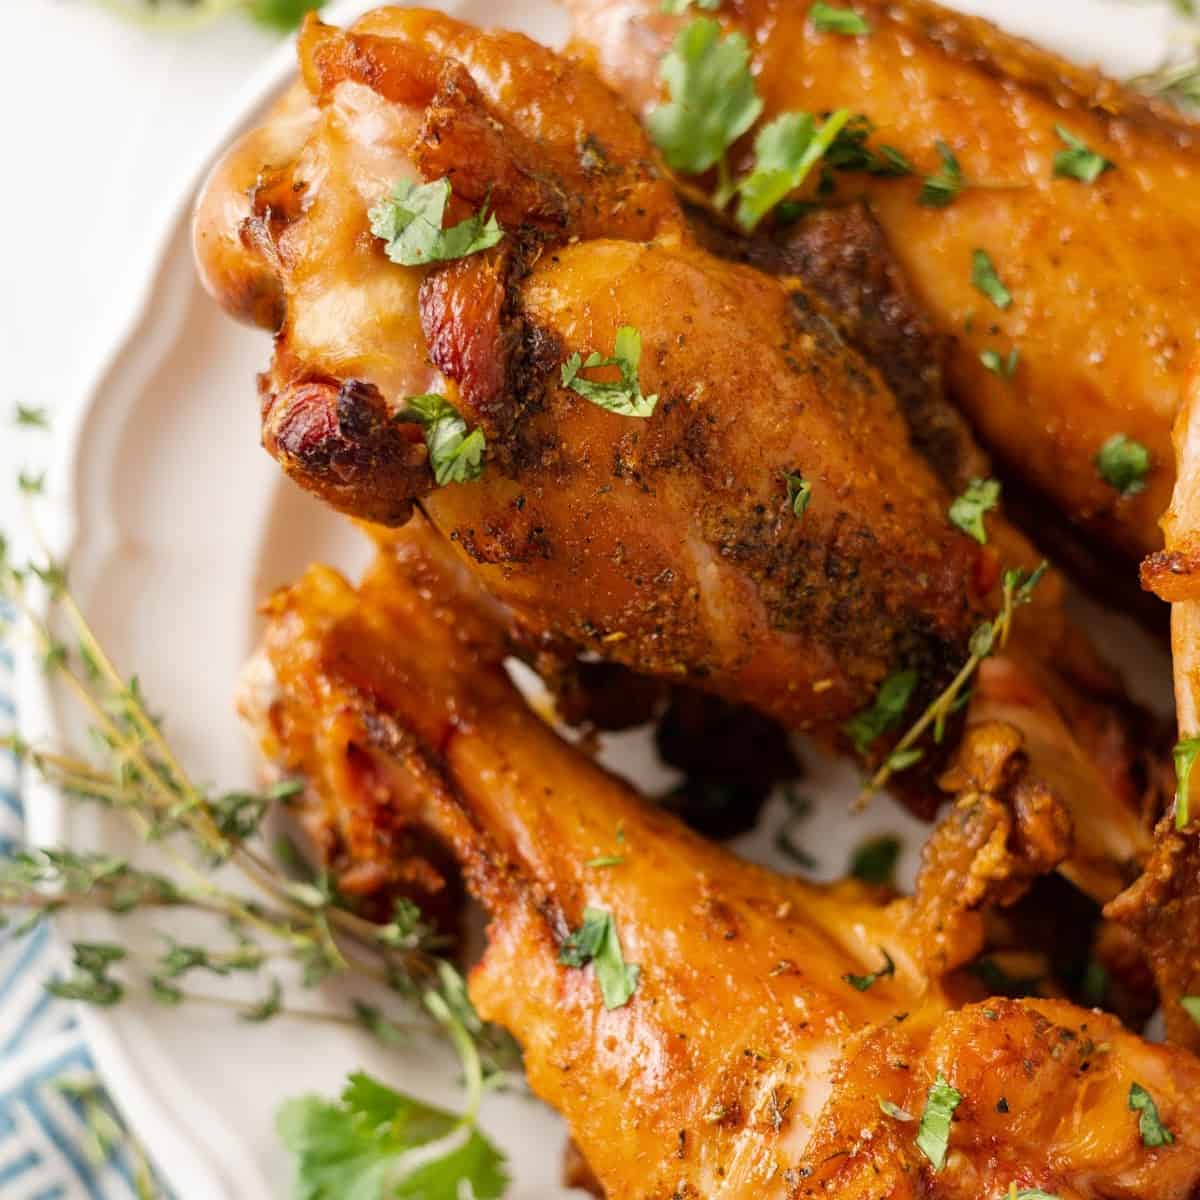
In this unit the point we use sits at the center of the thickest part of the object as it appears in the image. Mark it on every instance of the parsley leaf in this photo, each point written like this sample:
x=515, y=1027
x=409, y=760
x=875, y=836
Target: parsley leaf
x=624, y=397
x=985, y=279
x=799, y=492
x=826, y=18
x=713, y=99
x=968, y=510
x=410, y=222
x=874, y=861
x=942, y=188
x=1006, y=366
x=890, y=1109
x=354, y=1149
x=283, y=15
x=1154, y=1132
x=596, y=942
x=785, y=151
x=1077, y=161
x=455, y=455
x=1123, y=464
x=1186, y=752
x=677, y=8
x=933, y=1136
x=850, y=151
x=893, y=697
x=863, y=983
x=1191, y=1006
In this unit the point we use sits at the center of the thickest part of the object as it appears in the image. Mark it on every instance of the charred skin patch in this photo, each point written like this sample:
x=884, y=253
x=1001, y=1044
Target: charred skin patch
x=339, y=440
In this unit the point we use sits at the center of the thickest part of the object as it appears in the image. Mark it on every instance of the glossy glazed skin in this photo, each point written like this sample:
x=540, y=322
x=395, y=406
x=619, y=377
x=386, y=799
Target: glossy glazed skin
x=745, y=1064
x=1102, y=276
x=668, y=544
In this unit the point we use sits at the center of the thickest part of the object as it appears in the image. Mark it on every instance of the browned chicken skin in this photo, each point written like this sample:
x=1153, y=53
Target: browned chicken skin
x=1102, y=276
x=666, y=544
x=745, y=1065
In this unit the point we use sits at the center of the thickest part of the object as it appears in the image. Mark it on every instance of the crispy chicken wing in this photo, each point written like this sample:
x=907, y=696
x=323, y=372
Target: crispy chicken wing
x=746, y=1063
x=673, y=543
x=1101, y=275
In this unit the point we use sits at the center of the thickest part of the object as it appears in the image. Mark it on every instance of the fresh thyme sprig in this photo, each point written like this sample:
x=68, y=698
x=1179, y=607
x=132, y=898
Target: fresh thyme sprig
x=135, y=772
x=1018, y=587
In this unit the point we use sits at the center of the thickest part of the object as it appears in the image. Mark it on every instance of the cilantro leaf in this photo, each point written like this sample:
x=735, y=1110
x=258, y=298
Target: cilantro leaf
x=874, y=861
x=825, y=18
x=713, y=99
x=283, y=15
x=355, y=1149
x=865, y=727
x=985, y=279
x=677, y=8
x=933, y=1135
x=624, y=397
x=941, y=188
x=968, y=510
x=1191, y=1006
x=1123, y=464
x=799, y=492
x=1005, y=366
x=1186, y=752
x=410, y=222
x=863, y=983
x=1154, y=1132
x=785, y=151
x=596, y=942
x=455, y=455
x=1078, y=161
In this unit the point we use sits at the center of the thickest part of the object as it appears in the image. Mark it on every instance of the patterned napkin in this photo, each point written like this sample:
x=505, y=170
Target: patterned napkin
x=59, y=1136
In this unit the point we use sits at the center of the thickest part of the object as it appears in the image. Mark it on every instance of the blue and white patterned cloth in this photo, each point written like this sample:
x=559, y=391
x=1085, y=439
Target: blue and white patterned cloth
x=42, y=1131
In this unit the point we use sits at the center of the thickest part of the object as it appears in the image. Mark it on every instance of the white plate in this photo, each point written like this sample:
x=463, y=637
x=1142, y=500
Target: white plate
x=176, y=524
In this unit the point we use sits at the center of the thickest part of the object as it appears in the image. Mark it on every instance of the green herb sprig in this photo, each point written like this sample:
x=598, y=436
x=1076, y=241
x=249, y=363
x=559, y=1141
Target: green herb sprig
x=1018, y=588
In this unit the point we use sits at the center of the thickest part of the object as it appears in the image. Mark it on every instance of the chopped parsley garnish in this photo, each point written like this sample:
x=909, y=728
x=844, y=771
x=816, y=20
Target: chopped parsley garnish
x=850, y=151
x=825, y=18
x=885, y=713
x=933, y=1136
x=1154, y=1132
x=1191, y=1006
x=799, y=492
x=1185, y=753
x=410, y=222
x=985, y=279
x=676, y=8
x=713, y=98
x=942, y=187
x=624, y=397
x=1002, y=365
x=874, y=861
x=785, y=151
x=455, y=455
x=894, y=1111
x=968, y=510
x=1123, y=464
x=1078, y=161
x=361, y=1146
x=596, y=942
x=606, y=860
x=863, y=983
